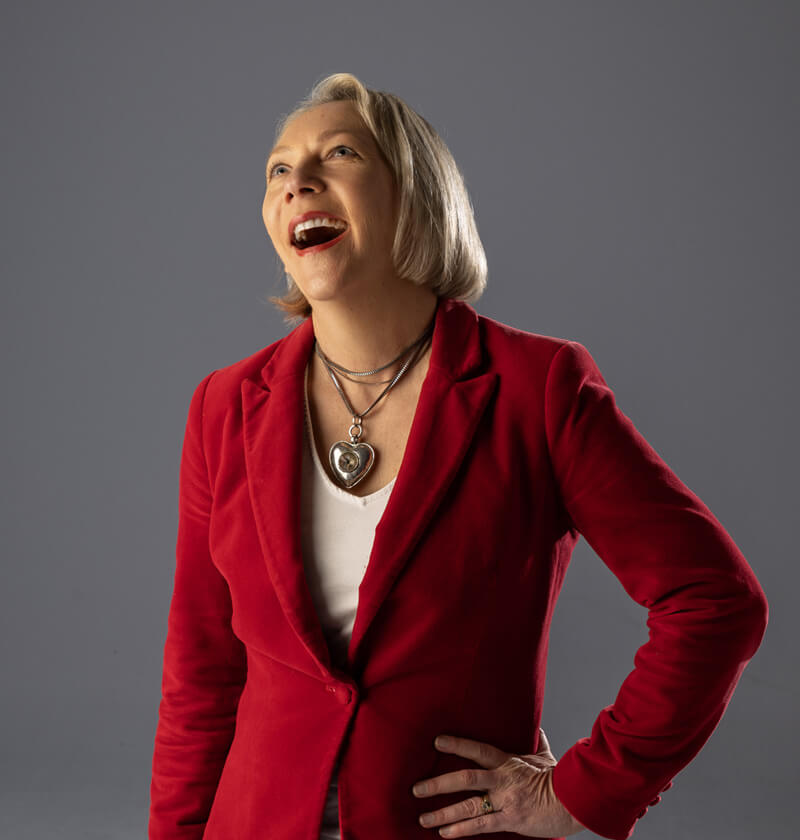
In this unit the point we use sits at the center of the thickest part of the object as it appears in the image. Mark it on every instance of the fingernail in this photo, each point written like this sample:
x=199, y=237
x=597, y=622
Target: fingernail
x=443, y=742
x=426, y=819
x=420, y=789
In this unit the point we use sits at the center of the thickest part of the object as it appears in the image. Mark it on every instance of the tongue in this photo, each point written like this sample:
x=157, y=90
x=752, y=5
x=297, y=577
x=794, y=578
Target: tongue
x=318, y=235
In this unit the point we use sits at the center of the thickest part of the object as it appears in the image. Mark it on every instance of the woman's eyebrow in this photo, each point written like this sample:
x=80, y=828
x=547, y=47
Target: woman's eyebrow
x=323, y=135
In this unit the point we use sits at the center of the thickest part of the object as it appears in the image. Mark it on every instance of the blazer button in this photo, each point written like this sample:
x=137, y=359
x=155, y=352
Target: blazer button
x=341, y=692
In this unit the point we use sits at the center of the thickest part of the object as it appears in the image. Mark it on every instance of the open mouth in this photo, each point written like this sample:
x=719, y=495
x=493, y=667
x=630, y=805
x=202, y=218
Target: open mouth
x=317, y=238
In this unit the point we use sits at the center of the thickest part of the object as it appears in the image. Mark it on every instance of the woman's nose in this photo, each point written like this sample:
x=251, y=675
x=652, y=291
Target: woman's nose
x=302, y=179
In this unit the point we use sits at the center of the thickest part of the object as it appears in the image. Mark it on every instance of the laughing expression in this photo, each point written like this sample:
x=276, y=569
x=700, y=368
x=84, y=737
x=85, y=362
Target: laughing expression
x=330, y=203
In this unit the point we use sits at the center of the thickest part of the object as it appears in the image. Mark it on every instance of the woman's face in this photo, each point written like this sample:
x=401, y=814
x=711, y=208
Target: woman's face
x=327, y=161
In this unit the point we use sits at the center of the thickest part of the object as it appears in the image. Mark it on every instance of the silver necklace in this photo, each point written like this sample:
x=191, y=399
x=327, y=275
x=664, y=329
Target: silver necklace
x=356, y=373
x=351, y=460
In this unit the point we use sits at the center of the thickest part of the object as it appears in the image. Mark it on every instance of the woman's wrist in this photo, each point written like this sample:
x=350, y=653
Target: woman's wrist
x=576, y=825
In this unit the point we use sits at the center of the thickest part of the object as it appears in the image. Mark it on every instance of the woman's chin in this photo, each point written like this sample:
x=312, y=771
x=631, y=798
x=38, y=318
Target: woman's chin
x=322, y=289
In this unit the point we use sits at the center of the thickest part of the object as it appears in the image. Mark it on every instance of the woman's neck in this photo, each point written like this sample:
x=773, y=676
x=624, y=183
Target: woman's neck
x=370, y=333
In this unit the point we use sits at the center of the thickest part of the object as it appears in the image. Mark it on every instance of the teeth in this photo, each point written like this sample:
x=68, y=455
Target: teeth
x=300, y=229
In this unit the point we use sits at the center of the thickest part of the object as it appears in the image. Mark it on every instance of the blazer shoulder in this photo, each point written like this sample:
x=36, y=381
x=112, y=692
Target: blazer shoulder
x=515, y=349
x=223, y=385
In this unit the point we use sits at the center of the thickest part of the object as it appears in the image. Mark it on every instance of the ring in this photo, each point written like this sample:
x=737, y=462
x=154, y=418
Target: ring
x=486, y=804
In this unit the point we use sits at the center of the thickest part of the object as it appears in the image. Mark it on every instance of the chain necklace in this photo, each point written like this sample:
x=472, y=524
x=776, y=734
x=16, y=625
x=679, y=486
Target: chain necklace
x=351, y=461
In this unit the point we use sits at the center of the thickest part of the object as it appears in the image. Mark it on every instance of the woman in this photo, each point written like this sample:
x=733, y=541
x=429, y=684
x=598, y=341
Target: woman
x=376, y=514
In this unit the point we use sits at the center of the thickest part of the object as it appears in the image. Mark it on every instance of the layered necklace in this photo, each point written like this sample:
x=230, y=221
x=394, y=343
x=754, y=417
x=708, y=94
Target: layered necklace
x=351, y=460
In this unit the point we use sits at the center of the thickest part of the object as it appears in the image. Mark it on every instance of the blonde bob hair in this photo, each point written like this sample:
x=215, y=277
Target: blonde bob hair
x=436, y=243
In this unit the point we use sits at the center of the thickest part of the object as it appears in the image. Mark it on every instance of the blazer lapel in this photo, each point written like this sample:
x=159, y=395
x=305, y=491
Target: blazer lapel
x=273, y=425
x=454, y=395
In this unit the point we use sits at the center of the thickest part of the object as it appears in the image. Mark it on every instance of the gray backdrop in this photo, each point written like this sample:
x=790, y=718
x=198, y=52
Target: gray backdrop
x=633, y=167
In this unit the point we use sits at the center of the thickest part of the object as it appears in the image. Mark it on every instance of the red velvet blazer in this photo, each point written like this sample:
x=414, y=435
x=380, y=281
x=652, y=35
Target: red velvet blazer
x=516, y=449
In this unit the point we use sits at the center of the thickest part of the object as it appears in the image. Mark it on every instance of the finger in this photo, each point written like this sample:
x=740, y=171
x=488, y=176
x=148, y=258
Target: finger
x=467, y=809
x=469, y=778
x=543, y=751
x=484, y=824
x=543, y=742
x=481, y=753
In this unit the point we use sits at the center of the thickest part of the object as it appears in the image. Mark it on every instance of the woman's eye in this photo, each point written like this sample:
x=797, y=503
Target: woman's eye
x=275, y=167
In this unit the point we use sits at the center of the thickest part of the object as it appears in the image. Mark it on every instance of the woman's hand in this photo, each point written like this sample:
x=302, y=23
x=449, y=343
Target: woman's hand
x=519, y=787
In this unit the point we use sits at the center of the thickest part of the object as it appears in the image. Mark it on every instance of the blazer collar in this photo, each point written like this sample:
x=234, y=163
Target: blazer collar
x=454, y=394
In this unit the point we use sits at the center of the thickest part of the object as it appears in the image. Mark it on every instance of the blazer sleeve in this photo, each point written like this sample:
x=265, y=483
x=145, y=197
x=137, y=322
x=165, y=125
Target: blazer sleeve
x=707, y=611
x=204, y=662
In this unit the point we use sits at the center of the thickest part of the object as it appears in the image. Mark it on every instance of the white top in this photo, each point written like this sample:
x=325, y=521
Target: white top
x=337, y=529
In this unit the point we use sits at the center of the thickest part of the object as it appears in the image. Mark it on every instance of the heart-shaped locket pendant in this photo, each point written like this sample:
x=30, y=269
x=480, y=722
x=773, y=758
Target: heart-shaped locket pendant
x=350, y=462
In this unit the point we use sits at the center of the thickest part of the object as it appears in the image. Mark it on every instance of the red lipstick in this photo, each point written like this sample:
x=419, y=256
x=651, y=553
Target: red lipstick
x=313, y=249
